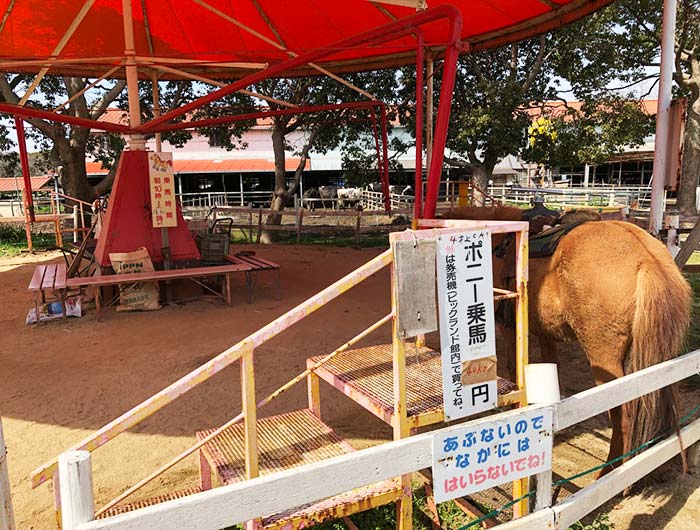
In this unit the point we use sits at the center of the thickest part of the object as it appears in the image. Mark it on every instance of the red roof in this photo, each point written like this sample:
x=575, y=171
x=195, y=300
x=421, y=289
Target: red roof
x=232, y=165
x=10, y=184
x=557, y=108
x=203, y=36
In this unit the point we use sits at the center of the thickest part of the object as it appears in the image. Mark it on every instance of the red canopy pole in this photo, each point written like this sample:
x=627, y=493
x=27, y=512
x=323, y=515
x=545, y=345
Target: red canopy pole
x=385, y=161
x=24, y=159
x=30, y=112
x=232, y=118
x=375, y=133
x=443, y=120
x=418, y=188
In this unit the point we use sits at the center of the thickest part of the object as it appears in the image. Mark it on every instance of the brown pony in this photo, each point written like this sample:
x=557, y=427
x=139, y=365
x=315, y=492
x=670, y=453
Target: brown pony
x=615, y=289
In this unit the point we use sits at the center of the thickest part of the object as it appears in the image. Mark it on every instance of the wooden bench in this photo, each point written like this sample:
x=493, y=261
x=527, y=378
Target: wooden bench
x=49, y=279
x=99, y=281
x=251, y=276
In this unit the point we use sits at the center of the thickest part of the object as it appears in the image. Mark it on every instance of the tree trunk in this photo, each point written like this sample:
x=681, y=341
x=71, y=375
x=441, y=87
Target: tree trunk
x=280, y=195
x=481, y=173
x=74, y=175
x=690, y=172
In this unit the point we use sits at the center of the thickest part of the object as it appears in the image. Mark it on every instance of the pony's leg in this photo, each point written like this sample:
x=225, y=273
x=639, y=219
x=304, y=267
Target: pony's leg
x=548, y=349
x=505, y=346
x=606, y=353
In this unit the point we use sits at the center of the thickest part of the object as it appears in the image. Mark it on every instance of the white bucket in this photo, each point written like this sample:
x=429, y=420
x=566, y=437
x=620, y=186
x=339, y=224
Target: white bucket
x=542, y=383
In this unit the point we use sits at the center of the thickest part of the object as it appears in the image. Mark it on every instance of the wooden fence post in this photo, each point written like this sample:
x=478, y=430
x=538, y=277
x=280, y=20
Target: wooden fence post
x=357, y=228
x=77, y=504
x=300, y=221
x=690, y=245
x=693, y=456
x=7, y=518
x=257, y=238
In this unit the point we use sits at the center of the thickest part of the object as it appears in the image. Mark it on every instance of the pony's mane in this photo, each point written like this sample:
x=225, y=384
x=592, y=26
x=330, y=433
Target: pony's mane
x=479, y=213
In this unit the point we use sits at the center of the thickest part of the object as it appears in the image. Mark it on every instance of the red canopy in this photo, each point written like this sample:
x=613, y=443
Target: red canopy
x=86, y=37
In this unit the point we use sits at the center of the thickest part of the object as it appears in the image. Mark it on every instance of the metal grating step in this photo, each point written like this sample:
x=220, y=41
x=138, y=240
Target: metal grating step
x=286, y=441
x=366, y=376
x=124, y=508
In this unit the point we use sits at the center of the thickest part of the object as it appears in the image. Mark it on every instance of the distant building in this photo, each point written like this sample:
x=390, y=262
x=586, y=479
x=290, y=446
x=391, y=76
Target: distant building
x=203, y=167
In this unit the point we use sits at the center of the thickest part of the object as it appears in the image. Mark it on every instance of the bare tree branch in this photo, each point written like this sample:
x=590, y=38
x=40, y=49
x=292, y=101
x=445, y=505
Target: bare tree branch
x=537, y=66
x=101, y=106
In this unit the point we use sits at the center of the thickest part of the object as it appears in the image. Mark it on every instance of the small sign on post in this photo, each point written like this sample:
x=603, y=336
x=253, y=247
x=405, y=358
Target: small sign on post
x=475, y=457
x=162, y=183
x=467, y=324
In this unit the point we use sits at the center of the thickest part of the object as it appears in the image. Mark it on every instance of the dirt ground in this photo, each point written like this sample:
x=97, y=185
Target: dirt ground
x=61, y=381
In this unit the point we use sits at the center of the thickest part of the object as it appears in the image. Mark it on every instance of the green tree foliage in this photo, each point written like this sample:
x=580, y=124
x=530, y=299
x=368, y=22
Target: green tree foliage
x=348, y=129
x=489, y=109
x=620, y=44
x=591, y=133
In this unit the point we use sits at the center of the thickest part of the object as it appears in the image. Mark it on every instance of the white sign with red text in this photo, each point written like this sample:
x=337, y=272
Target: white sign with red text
x=162, y=183
x=485, y=454
x=467, y=323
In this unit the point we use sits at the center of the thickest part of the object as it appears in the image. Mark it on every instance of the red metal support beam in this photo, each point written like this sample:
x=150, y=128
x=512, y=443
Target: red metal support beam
x=29, y=112
x=26, y=177
x=449, y=72
x=381, y=34
x=418, y=187
x=222, y=120
x=385, y=161
x=375, y=133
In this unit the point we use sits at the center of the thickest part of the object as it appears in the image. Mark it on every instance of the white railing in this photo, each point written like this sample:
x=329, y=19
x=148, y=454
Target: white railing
x=228, y=505
x=211, y=199
x=374, y=200
x=577, y=196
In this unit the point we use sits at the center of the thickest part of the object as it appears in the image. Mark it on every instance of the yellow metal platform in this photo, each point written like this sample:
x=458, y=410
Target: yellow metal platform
x=366, y=376
x=286, y=441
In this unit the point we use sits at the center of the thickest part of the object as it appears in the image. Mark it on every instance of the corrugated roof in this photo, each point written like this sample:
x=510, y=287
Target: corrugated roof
x=557, y=108
x=229, y=165
x=11, y=184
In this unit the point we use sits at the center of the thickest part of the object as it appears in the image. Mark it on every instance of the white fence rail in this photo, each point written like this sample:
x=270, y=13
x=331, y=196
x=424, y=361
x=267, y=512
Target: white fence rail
x=228, y=505
x=374, y=200
x=581, y=196
x=220, y=198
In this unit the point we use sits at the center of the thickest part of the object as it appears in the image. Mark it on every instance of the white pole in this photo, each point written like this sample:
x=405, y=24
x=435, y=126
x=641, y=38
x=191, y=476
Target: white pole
x=586, y=173
x=542, y=387
x=7, y=518
x=663, y=117
x=240, y=180
x=75, y=223
x=75, y=483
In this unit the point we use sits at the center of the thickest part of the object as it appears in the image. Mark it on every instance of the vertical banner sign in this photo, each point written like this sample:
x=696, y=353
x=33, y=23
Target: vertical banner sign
x=162, y=181
x=486, y=453
x=467, y=326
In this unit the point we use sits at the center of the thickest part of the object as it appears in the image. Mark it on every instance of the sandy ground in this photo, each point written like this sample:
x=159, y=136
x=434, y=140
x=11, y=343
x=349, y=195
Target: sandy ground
x=61, y=381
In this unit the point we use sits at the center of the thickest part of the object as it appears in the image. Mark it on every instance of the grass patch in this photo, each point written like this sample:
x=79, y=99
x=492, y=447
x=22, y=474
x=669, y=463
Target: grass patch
x=693, y=338
x=13, y=240
x=601, y=522
x=692, y=341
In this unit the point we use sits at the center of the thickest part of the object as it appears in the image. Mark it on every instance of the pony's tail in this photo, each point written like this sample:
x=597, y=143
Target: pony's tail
x=661, y=319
